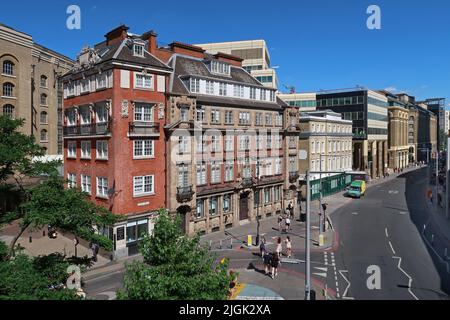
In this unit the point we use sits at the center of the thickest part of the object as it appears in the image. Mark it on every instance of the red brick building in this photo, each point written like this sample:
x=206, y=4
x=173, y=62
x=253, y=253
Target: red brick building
x=114, y=116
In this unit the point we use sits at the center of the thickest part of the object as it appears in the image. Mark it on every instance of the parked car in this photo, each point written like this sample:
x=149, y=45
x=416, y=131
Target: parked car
x=357, y=189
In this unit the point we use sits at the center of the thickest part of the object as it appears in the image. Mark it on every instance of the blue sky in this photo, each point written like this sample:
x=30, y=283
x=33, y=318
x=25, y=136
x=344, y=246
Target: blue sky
x=317, y=44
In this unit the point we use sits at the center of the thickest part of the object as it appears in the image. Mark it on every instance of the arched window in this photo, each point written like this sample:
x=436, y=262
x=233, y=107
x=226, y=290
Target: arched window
x=8, y=68
x=44, y=117
x=44, y=136
x=43, y=81
x=43, y=99
x=8, y=110
x=8, y=89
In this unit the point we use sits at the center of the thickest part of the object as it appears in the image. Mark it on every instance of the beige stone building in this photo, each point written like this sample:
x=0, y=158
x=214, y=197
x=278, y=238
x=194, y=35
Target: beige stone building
x=327, y=140
x=226, y=161
x=30, y=88
x=398, y=137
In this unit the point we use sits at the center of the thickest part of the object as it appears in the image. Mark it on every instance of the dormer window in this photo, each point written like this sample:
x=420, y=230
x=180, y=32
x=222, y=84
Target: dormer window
x=138, y=50
x=220, y=67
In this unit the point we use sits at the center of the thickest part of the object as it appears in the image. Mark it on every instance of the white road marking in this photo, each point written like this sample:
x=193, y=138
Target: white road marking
x=324, y=275
x=344, y=295
x=321, y=269
x=410, y=279
x=393, y=191
x=386, y=232
x=392, y=248
x=355, y=213
x=403, y=213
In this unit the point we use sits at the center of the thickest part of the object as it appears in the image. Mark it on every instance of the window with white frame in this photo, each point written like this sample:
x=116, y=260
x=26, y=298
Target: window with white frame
x=209, y=87
x=267, y=195
x=292, y=164
x=102, y=149
x=220, y=67
x=269, y=167
x=278, y=141
x=183, y=144
x=269, y=141
x=259, y=119
x=101, y=114
x=143, y=112
x=184, y=114
x=143, y=149
x=200, y=114
x=244, y=117
x=183, y=175
x=8, y=89
x=278, y=166
x=227, y=203
x=228, y=117
x=85, y=85
x=201, y=143
x=194, y=85
x=244, y=142
x=43, y=81
x=213, y=204
x=143, y=185
x=259, y=168
x=71, y=180
x=222, y=89
x=85, y=149
x=229, y=170
x=85, y=115
x=138, y=50
x=215, y=172
x=86, y=185
x=101, y=80
x=71, y=149
x=276, y=193
x=253, y=93
x=262, y=95
x=215, y=143
x=272, y=95
x=259, y=142
x=279, y=119
x=200, y=211
x=229, y=143
x=201, y=174
x=44, y=135
x=215, y=116
x=8, y=68
x=238, y=91
x=143, y=81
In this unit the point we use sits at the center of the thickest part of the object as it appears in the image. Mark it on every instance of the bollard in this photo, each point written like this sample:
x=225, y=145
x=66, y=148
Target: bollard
x=43, y=233
x=210, y=244
x=220, y=244
x=31, y=239
x=321, y=240
x=231, y=243
x=249, y=240
x=432, y=239
x=424, y=228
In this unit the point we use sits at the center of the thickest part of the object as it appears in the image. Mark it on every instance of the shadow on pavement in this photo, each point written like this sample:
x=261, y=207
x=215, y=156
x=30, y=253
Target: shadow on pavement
x=415, y=199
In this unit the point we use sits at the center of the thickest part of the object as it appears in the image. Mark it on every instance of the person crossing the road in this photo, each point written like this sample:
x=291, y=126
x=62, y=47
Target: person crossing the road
x=275, y=263
x=279, y=248
x=288, y=247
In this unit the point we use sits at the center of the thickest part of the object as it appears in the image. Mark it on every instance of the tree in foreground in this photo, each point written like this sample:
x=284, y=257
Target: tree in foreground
x=48, y=203
x=175, y=267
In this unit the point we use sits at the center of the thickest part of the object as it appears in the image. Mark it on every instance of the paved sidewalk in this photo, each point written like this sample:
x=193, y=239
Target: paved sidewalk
x=42, y=245
x=289, y=285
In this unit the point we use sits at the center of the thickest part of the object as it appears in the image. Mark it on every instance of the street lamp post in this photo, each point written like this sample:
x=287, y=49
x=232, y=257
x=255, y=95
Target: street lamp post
x=308, y=237
x=257, y=217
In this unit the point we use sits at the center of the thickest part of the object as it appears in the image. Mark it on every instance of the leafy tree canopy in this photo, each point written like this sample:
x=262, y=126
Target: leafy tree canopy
x=175, y=267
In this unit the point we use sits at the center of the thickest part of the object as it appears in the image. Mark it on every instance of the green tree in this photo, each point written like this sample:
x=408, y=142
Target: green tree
x=48, y=203
x=25, y=278
x=175, y=267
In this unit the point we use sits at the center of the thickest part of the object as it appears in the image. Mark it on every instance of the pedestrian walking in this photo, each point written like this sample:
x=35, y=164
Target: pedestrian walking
x=275, y=264
x=262, y=248
x=289, y=247
x=95, y=249
x=267, y=262
x=279, y=248
x=280, y=221
x=291, y=210
x=430, y=195
x=288, y=224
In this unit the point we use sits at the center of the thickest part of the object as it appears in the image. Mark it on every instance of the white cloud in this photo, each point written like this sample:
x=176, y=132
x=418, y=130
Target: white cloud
x=391, y=89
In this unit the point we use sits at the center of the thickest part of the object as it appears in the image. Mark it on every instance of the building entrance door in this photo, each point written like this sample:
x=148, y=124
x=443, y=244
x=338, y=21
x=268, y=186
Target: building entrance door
x=243, y=207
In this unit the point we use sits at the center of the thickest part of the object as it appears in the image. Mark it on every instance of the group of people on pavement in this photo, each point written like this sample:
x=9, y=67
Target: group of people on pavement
x=287, y=219
x=273, y=259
